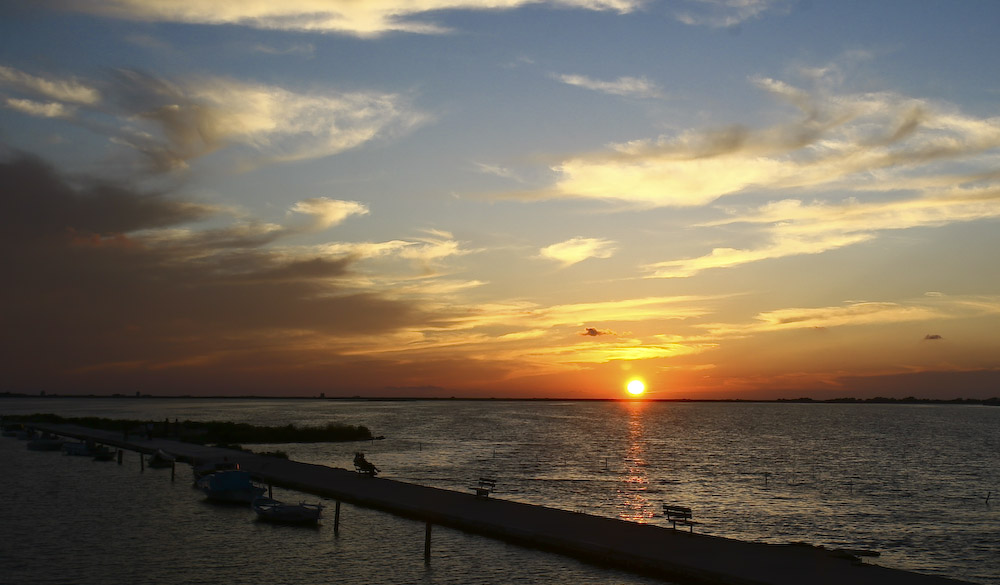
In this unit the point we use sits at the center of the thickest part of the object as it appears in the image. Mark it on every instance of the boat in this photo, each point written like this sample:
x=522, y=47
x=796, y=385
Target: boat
x=230, y=486
x=210, y=467
x=45, y=442
x=161, y=459
x=271, y=510
x=103, y=453
x=79, y=449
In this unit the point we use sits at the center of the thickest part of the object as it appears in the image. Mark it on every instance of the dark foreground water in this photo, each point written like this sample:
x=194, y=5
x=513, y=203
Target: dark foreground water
x=909, y=481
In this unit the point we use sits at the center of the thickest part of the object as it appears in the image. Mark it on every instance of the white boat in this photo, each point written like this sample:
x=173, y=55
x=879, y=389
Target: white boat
x=230, y=486
x=79, y=449
x=210, y=467
x=161, y=459
x=272, y=510
x=46, y=442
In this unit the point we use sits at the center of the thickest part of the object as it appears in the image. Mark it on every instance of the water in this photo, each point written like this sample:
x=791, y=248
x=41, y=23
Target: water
x=908, y=481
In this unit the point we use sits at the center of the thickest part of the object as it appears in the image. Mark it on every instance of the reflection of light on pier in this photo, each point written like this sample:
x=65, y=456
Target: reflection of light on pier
x=633, y=503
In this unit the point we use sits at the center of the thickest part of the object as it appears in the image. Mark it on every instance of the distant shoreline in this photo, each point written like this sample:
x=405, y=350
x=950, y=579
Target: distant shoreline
x=995, y=401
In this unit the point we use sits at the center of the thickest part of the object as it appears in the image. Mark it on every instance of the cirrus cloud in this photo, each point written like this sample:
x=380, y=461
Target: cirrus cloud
x=364, y=19
x=578, y=249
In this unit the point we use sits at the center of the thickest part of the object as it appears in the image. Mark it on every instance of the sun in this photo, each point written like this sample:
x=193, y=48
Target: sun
x=635, y=387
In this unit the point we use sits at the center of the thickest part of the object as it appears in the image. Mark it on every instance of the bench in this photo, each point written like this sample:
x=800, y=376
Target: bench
x=485, y=486
x=678, y=514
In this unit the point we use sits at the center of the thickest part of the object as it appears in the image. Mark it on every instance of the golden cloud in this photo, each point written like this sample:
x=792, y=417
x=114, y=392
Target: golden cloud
x=367, y=18
x=61, y=90
x=577, y=250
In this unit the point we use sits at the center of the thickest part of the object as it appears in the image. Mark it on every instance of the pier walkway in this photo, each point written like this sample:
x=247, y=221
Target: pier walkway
x=676, y=555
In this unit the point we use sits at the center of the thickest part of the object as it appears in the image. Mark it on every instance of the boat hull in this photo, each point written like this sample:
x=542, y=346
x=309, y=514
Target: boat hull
x=234, y=487
x=269, y=510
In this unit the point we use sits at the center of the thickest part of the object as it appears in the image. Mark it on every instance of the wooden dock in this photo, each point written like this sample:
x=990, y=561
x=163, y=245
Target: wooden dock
x=676, y=555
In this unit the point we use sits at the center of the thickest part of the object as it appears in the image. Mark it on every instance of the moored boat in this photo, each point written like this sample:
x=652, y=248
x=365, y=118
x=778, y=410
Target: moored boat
x=45, y=442
x=79, y=449
x=230, y=486
x=161, y=459
x=210, y=467
x=271, y=510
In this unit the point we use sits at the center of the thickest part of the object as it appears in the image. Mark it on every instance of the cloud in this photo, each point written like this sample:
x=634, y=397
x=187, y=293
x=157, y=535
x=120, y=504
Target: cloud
x=305, y=49
x=623, y=86
x=524, y=315
x=38, y=109
x=578, y=249
x=725, y=13
x=792, y=227
x=496, y=170
x=594, y=332
x=60, y=90
x=174, y=122
x=106, y=279
x=326, y=212
x=861, y=313
x=932, y=337
x=873, y=141
x=350, y=17
x=893, y=162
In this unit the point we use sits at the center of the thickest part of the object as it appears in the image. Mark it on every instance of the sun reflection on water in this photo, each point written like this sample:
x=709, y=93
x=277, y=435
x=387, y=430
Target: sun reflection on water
x=633, y=502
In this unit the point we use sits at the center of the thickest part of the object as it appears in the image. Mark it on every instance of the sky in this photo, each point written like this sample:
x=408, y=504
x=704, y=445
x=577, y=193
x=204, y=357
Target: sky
x=752, y=199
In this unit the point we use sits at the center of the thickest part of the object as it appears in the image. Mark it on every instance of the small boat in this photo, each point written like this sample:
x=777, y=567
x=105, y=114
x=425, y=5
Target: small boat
x=161, y=459
x=45, y=442
x=271, y=510
x=210, y=467
x=230, y=486
x=78, y=449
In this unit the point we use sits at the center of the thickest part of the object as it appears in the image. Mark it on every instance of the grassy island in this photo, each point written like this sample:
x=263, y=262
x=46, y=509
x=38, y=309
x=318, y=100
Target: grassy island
x=211, y=432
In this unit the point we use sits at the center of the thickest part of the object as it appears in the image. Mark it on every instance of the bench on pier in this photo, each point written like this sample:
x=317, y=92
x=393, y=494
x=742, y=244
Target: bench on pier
x=679, y=515
x=484, y=487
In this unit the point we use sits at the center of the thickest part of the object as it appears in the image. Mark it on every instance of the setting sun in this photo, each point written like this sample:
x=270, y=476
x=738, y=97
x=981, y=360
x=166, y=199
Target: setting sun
x=636, y=387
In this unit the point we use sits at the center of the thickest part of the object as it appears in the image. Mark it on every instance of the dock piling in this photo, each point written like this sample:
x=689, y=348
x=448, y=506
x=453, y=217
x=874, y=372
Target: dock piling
x=119, y=457
x=427, y=544
x=336, y=518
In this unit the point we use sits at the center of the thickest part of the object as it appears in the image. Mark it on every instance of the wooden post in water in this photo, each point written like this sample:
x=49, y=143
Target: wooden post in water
x=142, y=462
x=427, y=544
x=173, y=470
x=119, y=457
x=270, y=491
x=336, y=518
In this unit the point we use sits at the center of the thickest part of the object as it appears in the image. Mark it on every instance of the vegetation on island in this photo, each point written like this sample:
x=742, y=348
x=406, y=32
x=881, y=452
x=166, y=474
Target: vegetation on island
x=210, y=432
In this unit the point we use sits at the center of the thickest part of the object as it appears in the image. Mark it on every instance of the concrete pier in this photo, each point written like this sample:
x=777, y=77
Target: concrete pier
x=672, y=554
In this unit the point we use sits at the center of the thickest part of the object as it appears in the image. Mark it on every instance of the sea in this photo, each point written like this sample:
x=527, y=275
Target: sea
x=917, y=483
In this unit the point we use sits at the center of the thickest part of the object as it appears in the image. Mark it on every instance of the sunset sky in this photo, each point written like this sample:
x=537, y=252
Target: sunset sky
x=501, y=198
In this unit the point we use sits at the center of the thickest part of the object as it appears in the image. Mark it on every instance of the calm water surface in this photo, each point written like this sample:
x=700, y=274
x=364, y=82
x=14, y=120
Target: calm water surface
x=909, y=481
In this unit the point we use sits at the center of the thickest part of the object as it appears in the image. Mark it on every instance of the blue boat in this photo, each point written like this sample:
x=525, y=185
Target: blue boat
x=230, y=486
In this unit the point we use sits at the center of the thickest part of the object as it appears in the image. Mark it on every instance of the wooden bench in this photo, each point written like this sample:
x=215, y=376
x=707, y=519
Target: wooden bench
x=485, y=486
x=679, y=515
